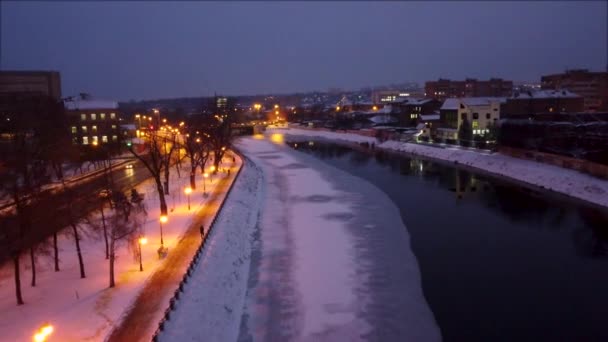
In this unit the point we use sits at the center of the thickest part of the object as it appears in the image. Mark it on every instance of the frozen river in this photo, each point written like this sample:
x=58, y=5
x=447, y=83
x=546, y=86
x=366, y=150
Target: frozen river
x=499, y=262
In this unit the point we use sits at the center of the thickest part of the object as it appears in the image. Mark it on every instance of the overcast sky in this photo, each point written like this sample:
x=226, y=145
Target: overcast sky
x=145, y=50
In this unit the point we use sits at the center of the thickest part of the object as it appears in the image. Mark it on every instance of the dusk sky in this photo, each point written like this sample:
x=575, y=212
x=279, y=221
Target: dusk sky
x=142, y=50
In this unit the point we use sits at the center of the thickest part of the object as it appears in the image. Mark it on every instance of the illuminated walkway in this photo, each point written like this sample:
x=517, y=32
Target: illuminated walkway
x=141, y=319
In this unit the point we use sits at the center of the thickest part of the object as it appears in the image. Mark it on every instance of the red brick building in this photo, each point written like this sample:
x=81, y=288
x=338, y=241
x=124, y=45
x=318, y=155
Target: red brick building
x=592, y=86
x=470, y=87
x=541, y=102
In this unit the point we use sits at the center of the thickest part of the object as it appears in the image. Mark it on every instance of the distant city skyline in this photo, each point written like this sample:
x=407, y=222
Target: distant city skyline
x=150, y=50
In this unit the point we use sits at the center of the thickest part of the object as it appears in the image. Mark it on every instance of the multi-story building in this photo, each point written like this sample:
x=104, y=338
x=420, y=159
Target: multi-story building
x=479, y=112
x=470, y=87
x=528, y=103
x=23, y=92
x=30, y=83
x=410, y=110
x=92, y=121
x=592, y=86
x=385, y=96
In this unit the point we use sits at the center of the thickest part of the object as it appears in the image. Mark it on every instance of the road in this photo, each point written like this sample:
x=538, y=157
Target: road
x=141, y=319
x=50, y=214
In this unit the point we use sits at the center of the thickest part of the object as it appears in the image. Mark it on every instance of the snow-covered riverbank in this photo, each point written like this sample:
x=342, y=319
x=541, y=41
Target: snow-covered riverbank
x=213, y=299
x=564, y=181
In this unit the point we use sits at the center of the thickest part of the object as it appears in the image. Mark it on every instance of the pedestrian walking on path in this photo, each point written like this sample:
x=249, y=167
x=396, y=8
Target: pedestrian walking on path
x=202, y=231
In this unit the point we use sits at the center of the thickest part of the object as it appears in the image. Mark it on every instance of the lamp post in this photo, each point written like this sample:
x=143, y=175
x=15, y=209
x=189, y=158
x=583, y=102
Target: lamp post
x=188, y=191
x=163, y=219
x=205, y=175
x=142, y=241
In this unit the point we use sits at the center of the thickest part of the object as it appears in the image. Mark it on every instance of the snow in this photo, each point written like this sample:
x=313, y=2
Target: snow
x=90, y=104
x=213, y=299
x=429, y=117
x=86, y=309
x=454, y=103
x=286, y=262
x=553, y=178
x=310, y=282
x=545, y=94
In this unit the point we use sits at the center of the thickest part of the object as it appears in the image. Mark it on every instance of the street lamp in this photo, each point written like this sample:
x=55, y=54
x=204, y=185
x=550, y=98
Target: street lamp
x=188, y=191
x=142, y=241
x=205, y=175
x=43, y=333
x=163, y=219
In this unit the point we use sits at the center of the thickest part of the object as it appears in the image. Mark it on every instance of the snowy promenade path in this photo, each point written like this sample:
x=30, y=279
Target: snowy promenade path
x=141, y=319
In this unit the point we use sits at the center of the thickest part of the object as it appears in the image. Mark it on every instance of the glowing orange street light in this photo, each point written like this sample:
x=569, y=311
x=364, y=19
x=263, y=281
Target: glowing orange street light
x=42, y=333
x=142, y=241
x=337, y=109
x=375, y=108
x=276, y=106
x=163, y=219
x=188, y=191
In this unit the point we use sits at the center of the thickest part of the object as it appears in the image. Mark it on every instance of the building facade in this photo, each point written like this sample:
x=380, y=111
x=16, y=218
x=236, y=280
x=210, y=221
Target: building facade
x=592, y=86
x=93, y=122
x=470, y=87
x=30, y=83
x=525, y=104
x=480, y=113
x=410, y=111
x=386, y=96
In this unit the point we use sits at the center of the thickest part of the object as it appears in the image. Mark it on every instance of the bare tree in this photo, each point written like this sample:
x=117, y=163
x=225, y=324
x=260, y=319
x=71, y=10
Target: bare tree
x=153, y=160
x=197, y=150
x=23, y=174
x=169, y=146
x=126, y=222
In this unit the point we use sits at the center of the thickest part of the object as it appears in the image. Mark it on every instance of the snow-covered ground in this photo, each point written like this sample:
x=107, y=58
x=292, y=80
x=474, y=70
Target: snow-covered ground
x=561, y=180
x=297, y=254
x=212, y=304
x=86, y=309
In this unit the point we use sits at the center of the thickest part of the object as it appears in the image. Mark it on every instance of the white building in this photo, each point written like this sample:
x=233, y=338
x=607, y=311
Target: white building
x=480, y=112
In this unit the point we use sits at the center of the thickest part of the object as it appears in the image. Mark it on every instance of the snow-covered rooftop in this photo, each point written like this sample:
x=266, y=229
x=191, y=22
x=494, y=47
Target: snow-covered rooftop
x=454, y=103
x=90, y=104
x=545, y=94
x=382, y=119
x=429, y=117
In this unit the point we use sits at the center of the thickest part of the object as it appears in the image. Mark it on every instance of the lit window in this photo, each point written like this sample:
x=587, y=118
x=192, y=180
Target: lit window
x=94, y=129
x=112, y=115
x=74, y=130
x=104, y=138
x=95, y=140
x=114, y=138
x=475, y=124
x=102, y=116
x=113, y=126
x=84, y=129
x=83, y=117
x=93, y=116
x=85, y=140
